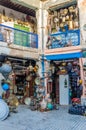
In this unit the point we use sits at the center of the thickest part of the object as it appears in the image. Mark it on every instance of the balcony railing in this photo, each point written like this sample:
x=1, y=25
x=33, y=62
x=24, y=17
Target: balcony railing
x=65, y=39
x=18, y=37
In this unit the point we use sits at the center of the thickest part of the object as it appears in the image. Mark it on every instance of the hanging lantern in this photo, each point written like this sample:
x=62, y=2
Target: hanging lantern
x=4, y=110
x=80, y=81
x=36, y=68
x=30, y=68
x=37, y=81
x=29, y=78
x=5, y=87
x=27, y=101
x=6, y=68
x=63, y=63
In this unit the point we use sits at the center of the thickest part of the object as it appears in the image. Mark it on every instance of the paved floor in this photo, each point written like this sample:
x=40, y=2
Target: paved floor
x=60, y=119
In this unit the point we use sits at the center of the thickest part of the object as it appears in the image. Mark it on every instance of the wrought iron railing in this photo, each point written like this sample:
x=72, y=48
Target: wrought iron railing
x=18, y=37
x=65, y=39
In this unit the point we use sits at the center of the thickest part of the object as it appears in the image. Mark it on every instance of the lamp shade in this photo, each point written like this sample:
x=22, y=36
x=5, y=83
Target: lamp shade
x=6, y=68
x=5, y=87
x=4, y=110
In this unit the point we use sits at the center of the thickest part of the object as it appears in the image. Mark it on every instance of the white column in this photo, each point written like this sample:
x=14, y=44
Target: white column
x=41, y=15
x=82, y=17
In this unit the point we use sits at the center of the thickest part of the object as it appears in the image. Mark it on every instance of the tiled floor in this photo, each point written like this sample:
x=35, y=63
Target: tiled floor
x=60, y=119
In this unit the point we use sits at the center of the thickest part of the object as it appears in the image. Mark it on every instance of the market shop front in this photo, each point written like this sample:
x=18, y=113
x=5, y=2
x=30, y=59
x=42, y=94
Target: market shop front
x=20, y=74
x=65, y=74
x=63, y=50
x=18, y=38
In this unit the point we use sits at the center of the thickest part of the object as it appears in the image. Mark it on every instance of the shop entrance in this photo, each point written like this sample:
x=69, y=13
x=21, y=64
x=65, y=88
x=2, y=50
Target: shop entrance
x=21, y=77
x=20, y=84
x=65, y=80
x=24, y=87
x=63, y=89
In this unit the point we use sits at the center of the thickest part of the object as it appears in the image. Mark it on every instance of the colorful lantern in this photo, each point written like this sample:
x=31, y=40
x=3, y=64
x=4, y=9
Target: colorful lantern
x=49, y=106
x=80, y=81
x=5, y=87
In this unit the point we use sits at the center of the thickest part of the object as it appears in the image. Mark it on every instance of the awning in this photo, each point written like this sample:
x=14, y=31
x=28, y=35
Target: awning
x=64, y=56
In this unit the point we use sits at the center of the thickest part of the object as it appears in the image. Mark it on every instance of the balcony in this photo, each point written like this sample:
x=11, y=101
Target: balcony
x=18, y=37
x=64, y=39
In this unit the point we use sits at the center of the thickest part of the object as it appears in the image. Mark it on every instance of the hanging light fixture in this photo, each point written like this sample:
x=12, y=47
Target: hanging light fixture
x=6, y=68
x=30, y=68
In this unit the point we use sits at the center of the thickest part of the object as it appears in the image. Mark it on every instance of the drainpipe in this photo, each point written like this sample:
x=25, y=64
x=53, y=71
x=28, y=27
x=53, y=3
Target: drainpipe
x=42, y=28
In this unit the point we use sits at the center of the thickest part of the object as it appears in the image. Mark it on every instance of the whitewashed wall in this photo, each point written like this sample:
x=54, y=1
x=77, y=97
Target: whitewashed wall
x=82, y=12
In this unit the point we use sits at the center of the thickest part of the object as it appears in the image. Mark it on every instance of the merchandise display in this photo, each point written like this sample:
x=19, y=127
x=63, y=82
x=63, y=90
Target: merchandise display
x=64, y=19
x=63, y=27
x=41, y=57
x=67, y=73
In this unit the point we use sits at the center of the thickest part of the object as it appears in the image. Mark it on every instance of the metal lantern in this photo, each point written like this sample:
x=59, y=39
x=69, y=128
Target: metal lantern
x=4, y=110
x=29, y=78
x=5, y=86
x=6, y=68
x=27, y=101
x=37, y=81
x=30, y=68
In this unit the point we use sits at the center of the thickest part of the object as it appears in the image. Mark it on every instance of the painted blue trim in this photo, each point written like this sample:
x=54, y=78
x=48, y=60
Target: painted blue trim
x=69, y=31
x=43, y=65
x=73, y=35
x=17, y=29
x=34, y=37
x=37, y=41
x=64, y=56
x=43, y=68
